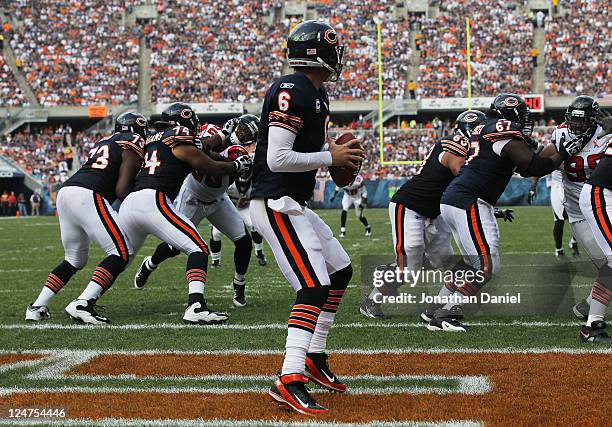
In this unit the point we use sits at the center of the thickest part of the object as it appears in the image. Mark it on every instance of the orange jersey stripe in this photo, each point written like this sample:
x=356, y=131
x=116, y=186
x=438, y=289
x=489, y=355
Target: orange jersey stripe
x=479, y=239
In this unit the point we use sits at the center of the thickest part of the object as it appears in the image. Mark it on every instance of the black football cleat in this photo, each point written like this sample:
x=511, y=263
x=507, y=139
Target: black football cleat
x=290, y=390
x=84, y=311
x=318, y=371
x=428, y=314
x=447, y=320
x=370, y=308
x=261, y=259
x=596, y=333
x=574, y=248
x=143, y=273
x=239, y=299
x=216, y=264
x=581, y=310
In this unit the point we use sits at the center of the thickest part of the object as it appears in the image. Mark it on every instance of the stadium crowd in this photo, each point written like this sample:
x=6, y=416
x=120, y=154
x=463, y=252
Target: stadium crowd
x=578, y=45
x=76, y=52
x=10, y=93
x=500, y=58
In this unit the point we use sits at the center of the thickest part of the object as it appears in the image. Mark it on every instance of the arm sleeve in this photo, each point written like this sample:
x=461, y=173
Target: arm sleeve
x=282, y=158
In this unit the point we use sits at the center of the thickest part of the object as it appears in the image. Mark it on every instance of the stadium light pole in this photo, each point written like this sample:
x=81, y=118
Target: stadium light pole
x=469, y=61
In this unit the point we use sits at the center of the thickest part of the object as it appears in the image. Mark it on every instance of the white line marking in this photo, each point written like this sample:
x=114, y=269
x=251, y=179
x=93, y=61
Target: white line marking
x=201, y=422
x=264, y=326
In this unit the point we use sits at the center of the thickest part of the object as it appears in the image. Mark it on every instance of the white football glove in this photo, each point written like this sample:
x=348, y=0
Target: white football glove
x=229, y=127
x=243, y=165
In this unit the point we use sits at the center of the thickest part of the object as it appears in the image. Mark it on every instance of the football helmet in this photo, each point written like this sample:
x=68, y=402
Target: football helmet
x=181, y=114
x=243, y=183
x=132, y=122
x=467, y=121
x=580, y=116
x=315, y=44
x=247, y=130
x=512, y=107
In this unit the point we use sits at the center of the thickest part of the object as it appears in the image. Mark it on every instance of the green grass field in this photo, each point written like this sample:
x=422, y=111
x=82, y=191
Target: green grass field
x=31, y=248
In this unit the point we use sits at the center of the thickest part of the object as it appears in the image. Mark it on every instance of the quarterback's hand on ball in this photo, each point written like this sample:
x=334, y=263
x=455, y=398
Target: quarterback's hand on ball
x=604, y=119
x=349, y=155
x=506, y=214
x=570, y=147
x=229, y=127
x=243, y=165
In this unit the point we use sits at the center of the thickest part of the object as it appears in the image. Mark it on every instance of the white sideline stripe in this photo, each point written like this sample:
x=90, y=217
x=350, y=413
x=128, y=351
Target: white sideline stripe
x=263, y=326
x=360, y=351
x=127, y=422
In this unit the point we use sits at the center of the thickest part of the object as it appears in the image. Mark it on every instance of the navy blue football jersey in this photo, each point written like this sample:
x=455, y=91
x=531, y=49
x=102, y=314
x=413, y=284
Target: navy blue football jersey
x=291, y=103
x=423, y=191
x=602, y=175
x=162, y=171
x=486, y=173
x=101, y=170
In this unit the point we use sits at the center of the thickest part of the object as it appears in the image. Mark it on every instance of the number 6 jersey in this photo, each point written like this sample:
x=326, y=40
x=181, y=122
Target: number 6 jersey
x=577, y=169
x=101, y=170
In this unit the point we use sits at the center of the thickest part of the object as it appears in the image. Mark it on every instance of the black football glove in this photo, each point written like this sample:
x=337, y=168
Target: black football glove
x=506, y=214
x=604, y=119
x=229, y=127
x=571, y=147
x=243, y=165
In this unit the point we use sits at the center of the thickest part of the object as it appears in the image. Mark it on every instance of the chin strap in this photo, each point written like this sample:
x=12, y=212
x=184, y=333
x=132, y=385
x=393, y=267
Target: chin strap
x=333, y=77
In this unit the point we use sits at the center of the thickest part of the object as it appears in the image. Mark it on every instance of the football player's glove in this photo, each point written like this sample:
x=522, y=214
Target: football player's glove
x=243, y=165
x=506, y=214
x=247, y=130
x=604, y=119
x=229, y=128
x=570, y=147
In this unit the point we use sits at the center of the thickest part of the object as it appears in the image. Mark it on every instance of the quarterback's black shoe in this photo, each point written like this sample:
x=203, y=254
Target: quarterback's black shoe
x=581, y=310
x=318, y=371
x=261, y=258
x=143, y=273
x=369, y=308
x=239, y=299
x=596, y=333
x=290, y=390
x=84, y=311
x=447, y=320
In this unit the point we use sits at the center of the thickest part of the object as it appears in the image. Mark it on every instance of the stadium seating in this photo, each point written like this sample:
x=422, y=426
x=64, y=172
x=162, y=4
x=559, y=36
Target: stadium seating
x=500, y=57
x=77, y=52
x=10, y=94
x=578, y=46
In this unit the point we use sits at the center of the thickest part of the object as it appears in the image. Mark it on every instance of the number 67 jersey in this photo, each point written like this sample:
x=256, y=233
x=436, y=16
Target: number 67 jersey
x=577, y=169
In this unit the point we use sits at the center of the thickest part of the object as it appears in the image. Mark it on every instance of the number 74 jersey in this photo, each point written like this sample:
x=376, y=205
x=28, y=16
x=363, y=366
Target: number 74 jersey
x=577, y=169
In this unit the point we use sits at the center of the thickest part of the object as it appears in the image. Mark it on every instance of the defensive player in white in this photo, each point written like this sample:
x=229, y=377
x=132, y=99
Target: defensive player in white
x=555, y=181
x=580, y=123
x=204, y=196
x=240, y=195
x=355, y=195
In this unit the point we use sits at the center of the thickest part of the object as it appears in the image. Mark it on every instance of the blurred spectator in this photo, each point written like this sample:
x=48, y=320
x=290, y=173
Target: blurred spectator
x=534, y=56
x=12, y=201
x=35, y=201
x=4, y=203
x=10, y=93
x=21, y=205
x=412, y=89
x=578, y=50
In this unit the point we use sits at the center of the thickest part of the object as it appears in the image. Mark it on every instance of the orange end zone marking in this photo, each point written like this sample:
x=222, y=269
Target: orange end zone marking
x=9, y=358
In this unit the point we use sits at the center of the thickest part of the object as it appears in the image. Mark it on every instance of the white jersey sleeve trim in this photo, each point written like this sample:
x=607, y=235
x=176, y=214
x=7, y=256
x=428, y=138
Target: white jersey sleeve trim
x=282, y=158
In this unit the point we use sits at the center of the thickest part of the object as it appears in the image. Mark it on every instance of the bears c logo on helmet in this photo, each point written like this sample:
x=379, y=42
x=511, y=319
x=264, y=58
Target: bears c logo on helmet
x=511, y=102
x=331, y=37
x=186, y=114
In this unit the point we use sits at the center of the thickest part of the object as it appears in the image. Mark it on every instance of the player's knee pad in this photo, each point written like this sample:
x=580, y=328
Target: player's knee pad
x=341, y=278
x=312, y=296
x=242, y=253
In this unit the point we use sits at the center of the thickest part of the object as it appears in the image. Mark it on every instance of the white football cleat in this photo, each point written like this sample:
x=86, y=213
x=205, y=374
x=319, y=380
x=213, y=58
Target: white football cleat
x=84, y=311
x=37, y=313
x=198, y=313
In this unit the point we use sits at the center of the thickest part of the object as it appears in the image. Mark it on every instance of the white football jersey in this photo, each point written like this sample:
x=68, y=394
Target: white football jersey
x=577, y=169
x=357, y=188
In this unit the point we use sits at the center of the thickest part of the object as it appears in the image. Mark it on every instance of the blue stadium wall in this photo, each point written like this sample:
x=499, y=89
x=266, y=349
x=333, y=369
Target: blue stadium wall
x=380, y=191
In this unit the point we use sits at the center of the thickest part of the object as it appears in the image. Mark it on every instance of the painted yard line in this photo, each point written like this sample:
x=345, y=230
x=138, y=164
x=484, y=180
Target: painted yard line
x=265, y=326
x=374, y=351
x=485, y=387
x=125, y=422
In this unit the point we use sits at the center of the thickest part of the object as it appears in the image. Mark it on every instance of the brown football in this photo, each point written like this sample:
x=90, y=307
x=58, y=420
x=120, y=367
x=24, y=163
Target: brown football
x=341, y=175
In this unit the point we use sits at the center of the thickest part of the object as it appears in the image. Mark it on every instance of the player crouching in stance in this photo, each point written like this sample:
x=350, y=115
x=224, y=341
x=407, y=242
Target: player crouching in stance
x=85, y=214
x=290, y=150
x=498, y=146
x=596, y=205
x=417, y=228
x=240, y=195
x=204, y=196
x=356, y=195
x=171, y=153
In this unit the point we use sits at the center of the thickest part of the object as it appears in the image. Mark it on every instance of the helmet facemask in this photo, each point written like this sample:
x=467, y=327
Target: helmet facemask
x=334, y=69
x=578, y=123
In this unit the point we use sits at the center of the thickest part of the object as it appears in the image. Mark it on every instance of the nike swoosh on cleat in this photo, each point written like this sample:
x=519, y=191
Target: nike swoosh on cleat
x=330, y=379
